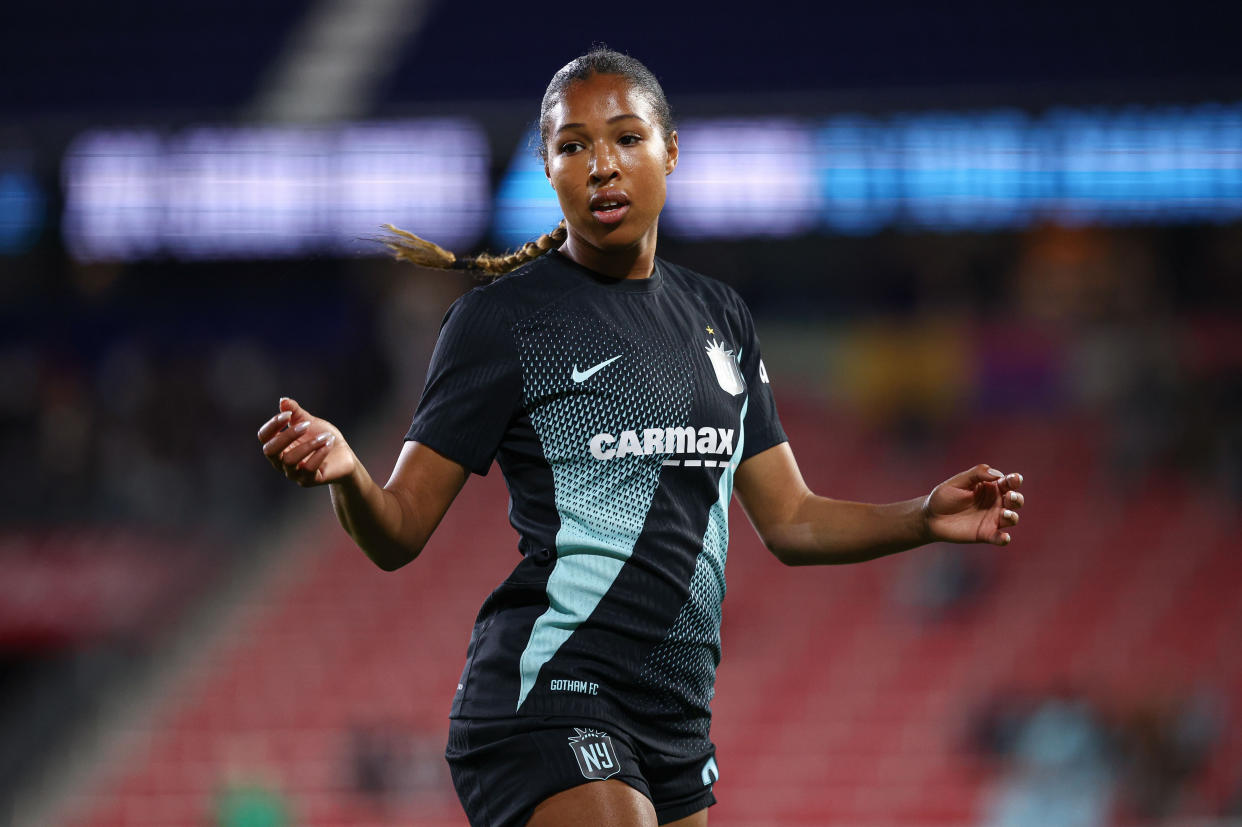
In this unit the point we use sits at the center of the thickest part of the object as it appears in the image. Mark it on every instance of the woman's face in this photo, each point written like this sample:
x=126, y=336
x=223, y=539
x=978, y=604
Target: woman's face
x=607, y=158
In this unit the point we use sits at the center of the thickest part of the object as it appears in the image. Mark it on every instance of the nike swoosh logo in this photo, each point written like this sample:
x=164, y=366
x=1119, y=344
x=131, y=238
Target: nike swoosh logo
x=583, y=375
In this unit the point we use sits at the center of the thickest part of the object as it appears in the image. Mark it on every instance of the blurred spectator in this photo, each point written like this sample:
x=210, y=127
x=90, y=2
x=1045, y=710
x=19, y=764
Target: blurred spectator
x=378, y=759
x=1233, y=806
x=1165, y=743
x=396, y=770
x=995, y=726
x=911, y=378
x=1058, y=769
x=940, y=582
x=1085, y=275
x=251, y=803
x=1060, y=763
x=134, y=404
x=250, y=794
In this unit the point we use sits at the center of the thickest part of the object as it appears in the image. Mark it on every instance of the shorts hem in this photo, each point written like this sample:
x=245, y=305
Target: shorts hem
x=675, y=811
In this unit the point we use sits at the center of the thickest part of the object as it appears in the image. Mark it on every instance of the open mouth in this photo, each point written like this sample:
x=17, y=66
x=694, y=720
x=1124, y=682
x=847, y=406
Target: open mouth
x=610, y=206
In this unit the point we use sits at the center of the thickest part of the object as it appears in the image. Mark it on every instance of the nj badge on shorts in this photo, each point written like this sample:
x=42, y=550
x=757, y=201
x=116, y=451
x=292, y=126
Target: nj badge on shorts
x=596, y=757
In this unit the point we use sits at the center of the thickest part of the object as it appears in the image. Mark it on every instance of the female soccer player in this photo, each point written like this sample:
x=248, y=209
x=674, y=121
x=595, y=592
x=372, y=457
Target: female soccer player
x=624, y=397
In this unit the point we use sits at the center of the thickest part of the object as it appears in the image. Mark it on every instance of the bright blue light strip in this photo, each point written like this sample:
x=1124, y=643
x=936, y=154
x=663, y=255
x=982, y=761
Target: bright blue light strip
x=223, y=192
x=526, y=205
x=1001, y=169
x=22, y=209
x=946, y=171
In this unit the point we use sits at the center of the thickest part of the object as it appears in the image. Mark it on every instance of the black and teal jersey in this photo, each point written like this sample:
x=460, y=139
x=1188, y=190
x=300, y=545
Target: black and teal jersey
x=618, y=412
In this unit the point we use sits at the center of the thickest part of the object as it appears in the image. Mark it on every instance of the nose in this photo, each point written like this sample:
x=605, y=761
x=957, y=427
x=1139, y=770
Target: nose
x=604, y=166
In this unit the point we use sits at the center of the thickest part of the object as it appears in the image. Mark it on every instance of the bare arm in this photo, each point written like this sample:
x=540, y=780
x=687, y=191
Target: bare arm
x=391, y=524
x=802, y=528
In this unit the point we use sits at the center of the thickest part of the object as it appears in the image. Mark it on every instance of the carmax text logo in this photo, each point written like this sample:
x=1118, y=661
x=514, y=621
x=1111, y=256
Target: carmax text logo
x=649, y=441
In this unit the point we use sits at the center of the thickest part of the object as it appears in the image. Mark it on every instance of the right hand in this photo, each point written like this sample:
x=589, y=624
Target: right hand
x=307, y=449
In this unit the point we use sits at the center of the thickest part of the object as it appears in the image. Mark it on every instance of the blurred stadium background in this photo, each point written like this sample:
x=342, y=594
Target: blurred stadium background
x=968, y=233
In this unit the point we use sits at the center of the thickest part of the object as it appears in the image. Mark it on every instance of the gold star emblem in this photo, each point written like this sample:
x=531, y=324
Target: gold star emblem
x=709, y=329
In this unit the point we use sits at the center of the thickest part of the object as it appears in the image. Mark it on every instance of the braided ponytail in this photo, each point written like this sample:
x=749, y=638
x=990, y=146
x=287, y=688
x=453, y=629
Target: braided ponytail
x=406, y=246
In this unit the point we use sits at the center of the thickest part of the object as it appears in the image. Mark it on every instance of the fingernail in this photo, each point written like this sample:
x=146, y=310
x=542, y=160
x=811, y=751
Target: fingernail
x=322, y=438
x=300, y=427
x=1019, y=476
x=330, y=441
x=284, y=416
x=995, y=473
x=1009, y=515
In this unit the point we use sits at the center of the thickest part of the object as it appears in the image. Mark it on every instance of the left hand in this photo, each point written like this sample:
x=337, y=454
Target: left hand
x=975, y=506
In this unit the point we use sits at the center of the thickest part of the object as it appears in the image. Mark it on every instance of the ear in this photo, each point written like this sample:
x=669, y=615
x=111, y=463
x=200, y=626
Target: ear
x=671, y=163
x=547, y=173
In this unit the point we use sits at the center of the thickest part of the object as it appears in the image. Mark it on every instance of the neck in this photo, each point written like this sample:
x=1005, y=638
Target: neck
x=634, y=262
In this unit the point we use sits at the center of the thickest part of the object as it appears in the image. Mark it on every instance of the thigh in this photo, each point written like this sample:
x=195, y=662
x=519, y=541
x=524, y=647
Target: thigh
x=611, y=802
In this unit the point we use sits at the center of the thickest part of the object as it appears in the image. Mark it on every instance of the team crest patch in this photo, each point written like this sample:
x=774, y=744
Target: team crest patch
x=596, y=757
x=725, y=364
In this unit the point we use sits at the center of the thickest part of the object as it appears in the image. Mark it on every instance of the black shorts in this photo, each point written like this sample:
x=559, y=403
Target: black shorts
x=504, y=767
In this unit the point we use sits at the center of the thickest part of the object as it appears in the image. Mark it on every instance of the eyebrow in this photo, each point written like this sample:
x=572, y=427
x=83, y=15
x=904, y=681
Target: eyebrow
x=613, y=119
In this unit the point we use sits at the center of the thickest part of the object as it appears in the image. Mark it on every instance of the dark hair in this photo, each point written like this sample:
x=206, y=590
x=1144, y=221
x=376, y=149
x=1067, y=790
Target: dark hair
x=599, y=61
x=603, y=61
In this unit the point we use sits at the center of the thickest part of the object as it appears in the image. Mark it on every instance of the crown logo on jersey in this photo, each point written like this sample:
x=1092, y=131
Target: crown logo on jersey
x=728, y=375
x=596, y=757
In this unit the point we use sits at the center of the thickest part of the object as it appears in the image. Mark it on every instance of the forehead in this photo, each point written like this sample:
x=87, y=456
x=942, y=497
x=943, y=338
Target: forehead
x=598, y=98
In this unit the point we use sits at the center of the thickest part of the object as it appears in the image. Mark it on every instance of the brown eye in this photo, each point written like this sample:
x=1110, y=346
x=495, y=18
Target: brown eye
x=570, y=148
x=629, y=140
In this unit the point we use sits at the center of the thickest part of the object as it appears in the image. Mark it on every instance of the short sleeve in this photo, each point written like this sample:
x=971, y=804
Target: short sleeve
x=474, y=384
x=762, y=424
